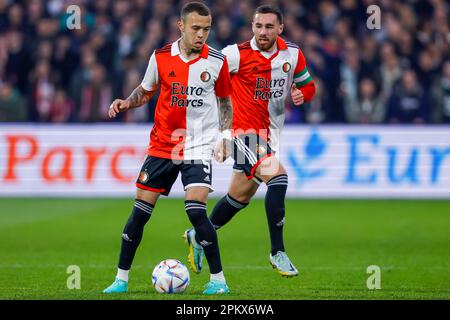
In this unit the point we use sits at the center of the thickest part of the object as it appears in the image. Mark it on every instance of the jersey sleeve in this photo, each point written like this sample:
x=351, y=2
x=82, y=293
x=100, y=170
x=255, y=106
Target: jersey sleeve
x=303, y=79
x=223, y=83
x=233, y=56
x=151, y=77
x=301, y=73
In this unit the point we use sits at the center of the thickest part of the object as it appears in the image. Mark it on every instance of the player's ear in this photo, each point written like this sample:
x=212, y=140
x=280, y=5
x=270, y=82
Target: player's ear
x=280, y=30
x=180, y=24
x=253, y=26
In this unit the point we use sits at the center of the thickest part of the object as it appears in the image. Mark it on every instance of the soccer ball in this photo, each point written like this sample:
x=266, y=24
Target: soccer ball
x=170, y=276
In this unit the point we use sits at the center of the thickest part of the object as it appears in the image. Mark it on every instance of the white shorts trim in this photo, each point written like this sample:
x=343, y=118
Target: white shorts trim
x=199, y=185
x=258, y=182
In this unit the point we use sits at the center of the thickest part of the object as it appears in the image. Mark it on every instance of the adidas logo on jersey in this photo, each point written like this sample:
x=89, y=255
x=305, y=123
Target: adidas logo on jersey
x=207, y=179
x=172, y=74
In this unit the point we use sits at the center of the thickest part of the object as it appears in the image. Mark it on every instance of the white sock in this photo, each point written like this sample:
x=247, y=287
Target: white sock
x=122, y=274
x=217, y=276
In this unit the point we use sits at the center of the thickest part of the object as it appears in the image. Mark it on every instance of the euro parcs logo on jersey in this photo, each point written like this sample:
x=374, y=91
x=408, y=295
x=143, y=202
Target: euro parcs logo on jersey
x=304, y=166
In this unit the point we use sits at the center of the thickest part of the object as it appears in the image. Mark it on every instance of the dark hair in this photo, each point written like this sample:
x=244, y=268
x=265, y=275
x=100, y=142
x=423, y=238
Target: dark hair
x=198, y=7
x=270, y=9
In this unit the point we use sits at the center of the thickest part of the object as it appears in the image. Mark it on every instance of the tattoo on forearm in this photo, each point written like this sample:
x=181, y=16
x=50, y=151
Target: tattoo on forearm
x=139, y=96
x=225, y=113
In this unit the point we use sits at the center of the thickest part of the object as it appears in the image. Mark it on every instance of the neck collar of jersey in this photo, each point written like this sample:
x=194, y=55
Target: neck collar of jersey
x=281, y=45
x=175, y=50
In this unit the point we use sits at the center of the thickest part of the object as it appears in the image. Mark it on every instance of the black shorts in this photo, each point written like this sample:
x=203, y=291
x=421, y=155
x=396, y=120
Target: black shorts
x=158, y=174
x=249, y=150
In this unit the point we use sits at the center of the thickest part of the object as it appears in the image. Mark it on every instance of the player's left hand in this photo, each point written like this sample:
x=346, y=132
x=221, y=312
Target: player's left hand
x=118, y=106
x=296, y=95
x=222, y=150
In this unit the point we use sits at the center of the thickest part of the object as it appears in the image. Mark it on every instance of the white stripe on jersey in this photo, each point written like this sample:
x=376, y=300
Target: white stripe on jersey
x=276, y=106
x=233, y=57
x=303, y=77
x=151, y=77
x=202, y=122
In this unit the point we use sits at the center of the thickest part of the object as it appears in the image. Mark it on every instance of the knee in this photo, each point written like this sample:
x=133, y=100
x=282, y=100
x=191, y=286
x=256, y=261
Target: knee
x=147, y=196
x=197, y=198
x=199, y=194
x=244, y=197
x=282, y=171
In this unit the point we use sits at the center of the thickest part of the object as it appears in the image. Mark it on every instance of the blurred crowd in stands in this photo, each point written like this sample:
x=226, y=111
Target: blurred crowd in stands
x=399, y=73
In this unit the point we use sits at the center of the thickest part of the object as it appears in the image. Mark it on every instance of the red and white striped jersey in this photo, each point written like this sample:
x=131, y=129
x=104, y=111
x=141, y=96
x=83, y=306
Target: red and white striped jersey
x=186, y=115
x=261, y=85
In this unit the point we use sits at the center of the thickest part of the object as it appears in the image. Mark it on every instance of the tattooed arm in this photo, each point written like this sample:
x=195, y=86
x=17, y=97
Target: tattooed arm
x=223, y=148
x=225, y=114
x=137, y=98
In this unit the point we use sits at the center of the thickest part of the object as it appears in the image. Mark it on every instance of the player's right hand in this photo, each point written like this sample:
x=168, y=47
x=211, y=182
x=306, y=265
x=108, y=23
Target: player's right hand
x=222, y=150
x=117, y=106
x=296, y=95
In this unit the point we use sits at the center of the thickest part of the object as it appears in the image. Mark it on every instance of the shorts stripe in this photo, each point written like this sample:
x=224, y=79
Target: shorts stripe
x=250, y=153
x=190, y=185
x=257, y=180
x=247, y=152
x=141, y=186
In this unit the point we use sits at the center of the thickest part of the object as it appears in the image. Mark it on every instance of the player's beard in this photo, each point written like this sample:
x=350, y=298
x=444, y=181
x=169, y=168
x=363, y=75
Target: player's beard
x=194, y=49
x=266, y=45
x=190, y=49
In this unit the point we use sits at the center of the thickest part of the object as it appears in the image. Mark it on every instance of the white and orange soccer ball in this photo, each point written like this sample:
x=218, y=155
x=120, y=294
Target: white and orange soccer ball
x=170, y=276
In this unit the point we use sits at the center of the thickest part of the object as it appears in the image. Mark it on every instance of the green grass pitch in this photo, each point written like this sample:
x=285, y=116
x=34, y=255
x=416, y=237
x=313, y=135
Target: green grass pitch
x=332, y=242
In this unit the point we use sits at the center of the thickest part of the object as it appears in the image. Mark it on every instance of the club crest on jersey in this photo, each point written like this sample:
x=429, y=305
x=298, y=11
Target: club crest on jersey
x=143, y=176
x=286, y=67
x=205, y=76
